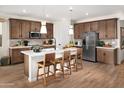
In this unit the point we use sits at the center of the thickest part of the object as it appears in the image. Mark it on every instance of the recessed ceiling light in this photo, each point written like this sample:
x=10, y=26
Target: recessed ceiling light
x=47, y=15
x=86, y=14
x=24, y=11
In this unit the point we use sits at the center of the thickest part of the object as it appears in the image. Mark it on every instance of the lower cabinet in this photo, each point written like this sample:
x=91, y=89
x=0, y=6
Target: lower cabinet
x=108, y=56
x=16, y=56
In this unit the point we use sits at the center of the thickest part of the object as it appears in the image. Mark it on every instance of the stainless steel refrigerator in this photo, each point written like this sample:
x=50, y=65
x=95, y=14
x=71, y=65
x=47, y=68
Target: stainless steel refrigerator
x=89, y=44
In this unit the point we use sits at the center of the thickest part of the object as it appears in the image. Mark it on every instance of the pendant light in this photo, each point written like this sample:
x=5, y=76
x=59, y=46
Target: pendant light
x=43, y=29
x=71, y=31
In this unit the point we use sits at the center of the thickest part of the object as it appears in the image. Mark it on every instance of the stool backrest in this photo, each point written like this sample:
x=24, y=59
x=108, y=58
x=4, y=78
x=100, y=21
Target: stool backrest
x=67, y=55
x=79, y=52
x=50, y=57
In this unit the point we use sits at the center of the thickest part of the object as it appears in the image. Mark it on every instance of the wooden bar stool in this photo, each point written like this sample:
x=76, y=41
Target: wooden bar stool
x=58, y=61
x=74, y=59
x=79, y=57
x=49, y=60
x=66, y=62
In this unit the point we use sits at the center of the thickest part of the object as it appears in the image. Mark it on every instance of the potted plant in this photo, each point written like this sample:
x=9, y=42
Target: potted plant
x=25, y=42
x=50, y=41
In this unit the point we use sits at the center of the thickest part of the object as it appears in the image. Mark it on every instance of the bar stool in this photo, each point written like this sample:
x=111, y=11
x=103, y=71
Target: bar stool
x=74, y=59
x=58, y=61
x=49, y=60
x=79, y=57
x=66, y=60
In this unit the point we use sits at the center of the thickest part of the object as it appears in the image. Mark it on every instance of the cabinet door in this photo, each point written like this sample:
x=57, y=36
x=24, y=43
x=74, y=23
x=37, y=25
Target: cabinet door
x=111, y=30
x=26, y=28
x=109, y=57
x=76, y=31
x=16, y=56
x=100, y=55
x=81, y=30
x=102, y=29
x=94, y=26
x=35, y=26
x=15, y=29
x=49, y=30
x=86, y=27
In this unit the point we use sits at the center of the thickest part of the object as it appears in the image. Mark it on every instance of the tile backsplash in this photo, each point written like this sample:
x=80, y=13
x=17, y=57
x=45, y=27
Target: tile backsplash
x=113, y=42
x=13, y=42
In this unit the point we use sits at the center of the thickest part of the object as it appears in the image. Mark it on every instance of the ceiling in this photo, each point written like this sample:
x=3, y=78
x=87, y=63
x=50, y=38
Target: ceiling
x=59, y=12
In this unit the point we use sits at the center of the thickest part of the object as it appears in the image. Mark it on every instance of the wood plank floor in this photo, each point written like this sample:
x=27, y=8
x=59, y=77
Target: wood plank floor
x=94, y=75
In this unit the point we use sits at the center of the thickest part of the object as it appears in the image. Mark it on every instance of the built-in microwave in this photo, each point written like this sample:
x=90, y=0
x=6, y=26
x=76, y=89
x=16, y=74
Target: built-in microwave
x=34, y=35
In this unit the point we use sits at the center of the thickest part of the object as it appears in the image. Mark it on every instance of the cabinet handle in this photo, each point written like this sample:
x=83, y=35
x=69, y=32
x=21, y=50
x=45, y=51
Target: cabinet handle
x=104, y=54
x=106, y=35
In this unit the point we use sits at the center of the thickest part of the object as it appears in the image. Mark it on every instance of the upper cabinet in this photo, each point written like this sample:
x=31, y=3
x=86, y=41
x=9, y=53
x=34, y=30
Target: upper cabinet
x=102, y=29
x=94, y=26
x=25, y=29
x=107, y=29
x=35, y=26
x=15, y=29
x=87, y=27
x=49, y=30
x=19, y=29
x=111, y=29
x=78, y=30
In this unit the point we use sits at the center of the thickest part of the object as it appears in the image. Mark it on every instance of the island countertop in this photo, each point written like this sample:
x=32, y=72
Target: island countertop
x=44, y=51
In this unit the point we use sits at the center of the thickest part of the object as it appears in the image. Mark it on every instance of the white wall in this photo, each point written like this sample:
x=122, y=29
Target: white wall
x=4, y=50
x=61, y=34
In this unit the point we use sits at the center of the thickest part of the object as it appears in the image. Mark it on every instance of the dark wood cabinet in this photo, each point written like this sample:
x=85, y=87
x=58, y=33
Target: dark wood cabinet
x=107, y=28
x=35, y=26
x=102, y=29
x=111, y=29
x=49, y=30
x=78, y=30
x=25, y=29
x=15, y=29
x=19, y=29
x=87, y=27
x=94, y=26
x=16, y=56
x=108, y=56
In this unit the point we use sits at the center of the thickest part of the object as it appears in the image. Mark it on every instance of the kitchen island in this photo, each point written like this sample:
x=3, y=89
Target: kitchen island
x=31, y=58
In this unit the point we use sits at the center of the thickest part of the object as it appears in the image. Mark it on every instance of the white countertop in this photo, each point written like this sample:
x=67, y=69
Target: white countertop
x=44, y=51
x=107, y=47
x=16, y=47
